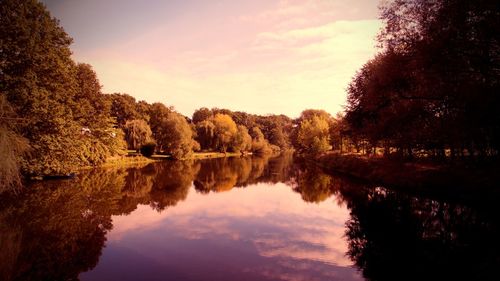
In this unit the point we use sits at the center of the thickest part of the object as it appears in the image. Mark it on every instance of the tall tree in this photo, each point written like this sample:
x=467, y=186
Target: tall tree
x=434, y=85
x=260, y=145
x=202, y=114
x=176, y=136
x=225, y=130
x=92, y=111
x=38, y=78
x=123, y=108
x=205, y=134
x=137, y=133
x=159, y=114
x=242, y=141
x=314, y=132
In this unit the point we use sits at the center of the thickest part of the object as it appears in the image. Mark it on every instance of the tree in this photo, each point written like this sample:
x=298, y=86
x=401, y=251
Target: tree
x=205, y=134
x=38, y=78
x=159, y=114
x=123, y=108
x=433, y=87
x=313, y=133
x=201, y=114
x=225, y=130
x=259, y=143
x=242, y=141
x=92, y=111
x=137, y=133
x=176, y=136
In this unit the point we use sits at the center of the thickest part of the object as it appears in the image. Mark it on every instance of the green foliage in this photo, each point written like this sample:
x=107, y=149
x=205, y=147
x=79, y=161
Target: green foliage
x=137, y=133
x=205, y=134
x=38, y=78
x=12, y=148
x=148, y=149
x=260, y=145
x=159, y=113
x=201, y=115
x=242, y=141
x=93, y=152
x=313, y=133
x=176, y=136
x=123, y=108
x=314, y=186
x=92, y=112
x=225, y=131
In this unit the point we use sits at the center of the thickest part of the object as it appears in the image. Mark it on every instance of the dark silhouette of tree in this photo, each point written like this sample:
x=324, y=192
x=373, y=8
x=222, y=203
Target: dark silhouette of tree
x=433, y=87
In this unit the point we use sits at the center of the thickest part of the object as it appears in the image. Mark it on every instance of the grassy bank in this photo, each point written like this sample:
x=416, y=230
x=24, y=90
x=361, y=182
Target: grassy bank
x=134, y=158
x=434, y=177
x=205, y=155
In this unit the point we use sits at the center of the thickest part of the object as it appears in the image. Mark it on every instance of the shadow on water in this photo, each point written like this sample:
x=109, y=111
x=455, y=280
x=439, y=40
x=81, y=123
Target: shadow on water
x=57, y=229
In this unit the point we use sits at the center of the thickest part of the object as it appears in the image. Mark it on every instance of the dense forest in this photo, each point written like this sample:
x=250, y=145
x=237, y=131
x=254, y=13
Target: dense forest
x=54, y=117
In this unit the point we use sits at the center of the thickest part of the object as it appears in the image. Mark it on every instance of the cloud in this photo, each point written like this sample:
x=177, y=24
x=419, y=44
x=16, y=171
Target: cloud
x=285, y=57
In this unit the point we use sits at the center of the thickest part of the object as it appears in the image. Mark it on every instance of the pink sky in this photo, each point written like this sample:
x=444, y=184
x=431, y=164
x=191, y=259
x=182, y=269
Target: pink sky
x=257, y=56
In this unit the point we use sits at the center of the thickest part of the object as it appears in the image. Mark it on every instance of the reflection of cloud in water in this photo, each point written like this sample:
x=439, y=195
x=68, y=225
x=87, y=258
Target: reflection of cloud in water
x=275, y=219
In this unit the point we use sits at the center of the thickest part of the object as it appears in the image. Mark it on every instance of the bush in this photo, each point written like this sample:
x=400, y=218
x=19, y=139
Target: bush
x=148, y=149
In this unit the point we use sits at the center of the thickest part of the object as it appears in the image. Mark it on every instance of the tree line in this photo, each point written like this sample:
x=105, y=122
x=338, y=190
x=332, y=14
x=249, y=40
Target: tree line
x=54, y=117
x=433, y=89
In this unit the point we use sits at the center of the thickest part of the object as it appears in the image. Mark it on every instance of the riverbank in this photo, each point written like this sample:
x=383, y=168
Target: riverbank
x=433, y=177
x=134, y=158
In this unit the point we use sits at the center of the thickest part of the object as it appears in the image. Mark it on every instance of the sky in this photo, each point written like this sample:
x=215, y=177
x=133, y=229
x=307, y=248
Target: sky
x=258, y=56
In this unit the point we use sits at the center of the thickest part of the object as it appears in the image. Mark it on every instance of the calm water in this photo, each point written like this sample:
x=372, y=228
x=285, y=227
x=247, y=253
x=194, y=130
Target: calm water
x=240, y=219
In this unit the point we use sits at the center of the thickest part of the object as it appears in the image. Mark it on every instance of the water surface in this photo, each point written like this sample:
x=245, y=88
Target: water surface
x=239, y=219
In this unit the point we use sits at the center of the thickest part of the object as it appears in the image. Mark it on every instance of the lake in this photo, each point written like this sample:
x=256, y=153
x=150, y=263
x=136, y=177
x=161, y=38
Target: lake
x=251, y=218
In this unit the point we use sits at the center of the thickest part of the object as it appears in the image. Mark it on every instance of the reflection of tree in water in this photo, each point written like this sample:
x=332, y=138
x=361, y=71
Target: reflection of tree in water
x=138, y=185
x=393, y=236
x=243, y=168
x=313, y=185
x=223, y=174
x=399, y=237
x=172, y=182
x=216, y=175
x=57, y=229
x=278, y=169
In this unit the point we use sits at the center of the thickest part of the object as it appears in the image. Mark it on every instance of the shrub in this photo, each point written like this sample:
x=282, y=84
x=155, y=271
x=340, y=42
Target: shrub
x=148, y=149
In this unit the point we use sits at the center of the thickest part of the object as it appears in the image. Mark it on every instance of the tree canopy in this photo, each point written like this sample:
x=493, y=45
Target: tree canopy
x=434, y=86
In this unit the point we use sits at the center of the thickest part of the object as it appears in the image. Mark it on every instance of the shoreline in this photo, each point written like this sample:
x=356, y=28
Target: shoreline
x=129, y=160
x=460, y=180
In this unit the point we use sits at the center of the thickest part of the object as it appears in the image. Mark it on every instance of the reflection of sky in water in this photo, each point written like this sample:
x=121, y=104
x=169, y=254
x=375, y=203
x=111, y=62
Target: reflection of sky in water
x=262, y=232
